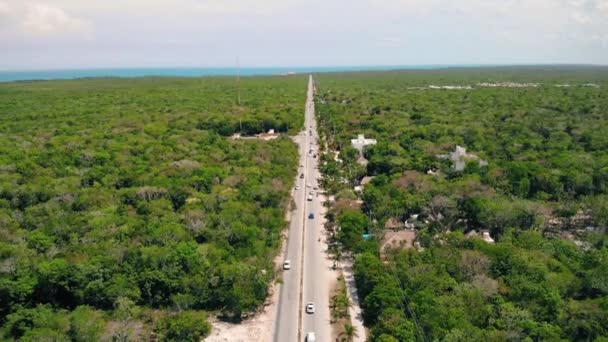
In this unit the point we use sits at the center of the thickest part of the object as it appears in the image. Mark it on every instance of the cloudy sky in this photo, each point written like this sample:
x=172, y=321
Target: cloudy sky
x=42, y=34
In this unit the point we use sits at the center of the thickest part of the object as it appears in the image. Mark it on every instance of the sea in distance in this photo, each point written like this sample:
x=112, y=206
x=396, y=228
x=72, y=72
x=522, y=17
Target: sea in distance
x=8, y=76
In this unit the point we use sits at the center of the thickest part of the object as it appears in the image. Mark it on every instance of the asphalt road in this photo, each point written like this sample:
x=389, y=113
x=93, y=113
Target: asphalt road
x=310, y=276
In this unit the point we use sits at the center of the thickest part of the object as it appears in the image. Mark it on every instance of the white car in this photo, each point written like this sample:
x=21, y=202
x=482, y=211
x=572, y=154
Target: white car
x=297, y=187
x=287, y=265
x=310, y=308
x=310, y=337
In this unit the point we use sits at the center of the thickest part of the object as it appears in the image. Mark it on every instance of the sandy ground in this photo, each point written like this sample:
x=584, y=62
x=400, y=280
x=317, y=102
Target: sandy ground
x=356, y=315
x=258, y=328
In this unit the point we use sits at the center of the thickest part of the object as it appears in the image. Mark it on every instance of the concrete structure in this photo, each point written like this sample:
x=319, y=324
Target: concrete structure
x=268, y=136
x=361, y=142
x=412, y=222
x=485, y=235
x=459, y=157
x=366, y=180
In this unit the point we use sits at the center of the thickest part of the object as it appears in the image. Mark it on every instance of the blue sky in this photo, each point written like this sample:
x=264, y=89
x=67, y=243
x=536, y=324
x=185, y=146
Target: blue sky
x=42, y=34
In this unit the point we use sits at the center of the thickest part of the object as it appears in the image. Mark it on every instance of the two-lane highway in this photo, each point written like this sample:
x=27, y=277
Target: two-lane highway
x=310, y=277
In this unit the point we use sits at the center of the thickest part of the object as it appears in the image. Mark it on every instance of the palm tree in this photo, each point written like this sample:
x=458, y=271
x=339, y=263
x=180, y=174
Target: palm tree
x=349, y=333
x=335, y=314
x=343, y=303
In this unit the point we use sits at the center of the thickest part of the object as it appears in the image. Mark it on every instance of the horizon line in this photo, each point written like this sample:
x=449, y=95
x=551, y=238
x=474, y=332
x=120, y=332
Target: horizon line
x=435, y=65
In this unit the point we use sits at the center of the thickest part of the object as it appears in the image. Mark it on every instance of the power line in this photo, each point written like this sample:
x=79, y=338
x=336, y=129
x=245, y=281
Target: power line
x=406, y=301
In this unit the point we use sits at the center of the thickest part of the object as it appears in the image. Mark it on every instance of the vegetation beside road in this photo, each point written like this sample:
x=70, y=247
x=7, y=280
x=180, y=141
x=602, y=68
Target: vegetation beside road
x=125, y=210
x=340, y=305
x=543, y=196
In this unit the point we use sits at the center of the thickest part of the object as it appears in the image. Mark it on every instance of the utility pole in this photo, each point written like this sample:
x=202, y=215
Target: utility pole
x=238, y=80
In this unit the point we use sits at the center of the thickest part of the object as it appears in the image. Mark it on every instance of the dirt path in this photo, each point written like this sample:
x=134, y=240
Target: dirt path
x=356, y=316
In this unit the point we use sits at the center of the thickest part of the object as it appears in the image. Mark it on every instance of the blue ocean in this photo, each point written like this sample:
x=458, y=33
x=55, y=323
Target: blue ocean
x=8, y=76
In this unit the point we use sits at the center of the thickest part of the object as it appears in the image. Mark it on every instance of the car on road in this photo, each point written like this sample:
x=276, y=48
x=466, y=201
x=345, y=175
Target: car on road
x=311, y=216
x=316, y=187
x=310, y=308
x=297, y=187
x=310, y=337
x=301, y=175
x=311, y=193
x=287, y=265
x=309, y=198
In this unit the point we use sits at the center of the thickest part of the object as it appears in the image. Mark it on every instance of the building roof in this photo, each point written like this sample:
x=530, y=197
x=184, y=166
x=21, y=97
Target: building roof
x=366, y=180
x=485, y=235
x=268, y=136
x=398, y=239
x=394, y=223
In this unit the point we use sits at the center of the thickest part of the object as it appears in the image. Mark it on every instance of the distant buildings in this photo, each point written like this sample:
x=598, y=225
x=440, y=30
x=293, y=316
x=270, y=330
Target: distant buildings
x=270, y=135
x=450, y=87
x=507, y=85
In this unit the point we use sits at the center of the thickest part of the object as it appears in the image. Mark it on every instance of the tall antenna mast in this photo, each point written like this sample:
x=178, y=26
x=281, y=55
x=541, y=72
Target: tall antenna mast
x=238, y=80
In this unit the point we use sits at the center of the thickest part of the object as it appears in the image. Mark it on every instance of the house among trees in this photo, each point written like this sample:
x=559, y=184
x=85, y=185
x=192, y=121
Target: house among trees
x=394, y=224
x=402, y=239
x=270, y=135
x=362, y=183
x=366, y=180
x=362, y=161
x=485, y=235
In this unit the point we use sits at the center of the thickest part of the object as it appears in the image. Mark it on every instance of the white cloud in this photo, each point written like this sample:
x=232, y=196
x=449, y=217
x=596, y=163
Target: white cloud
x=390, y=42
x=581, y=18
x=5, y=9
x=267, y=32
x=267, y=7
x=44, y=19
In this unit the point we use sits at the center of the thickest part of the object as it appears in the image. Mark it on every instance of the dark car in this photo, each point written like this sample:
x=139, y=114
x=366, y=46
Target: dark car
x=311, y=216
x=302, y=175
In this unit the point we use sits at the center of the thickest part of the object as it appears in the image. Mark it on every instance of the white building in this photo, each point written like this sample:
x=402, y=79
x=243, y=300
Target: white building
x=361, y=142
x=460, y=157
